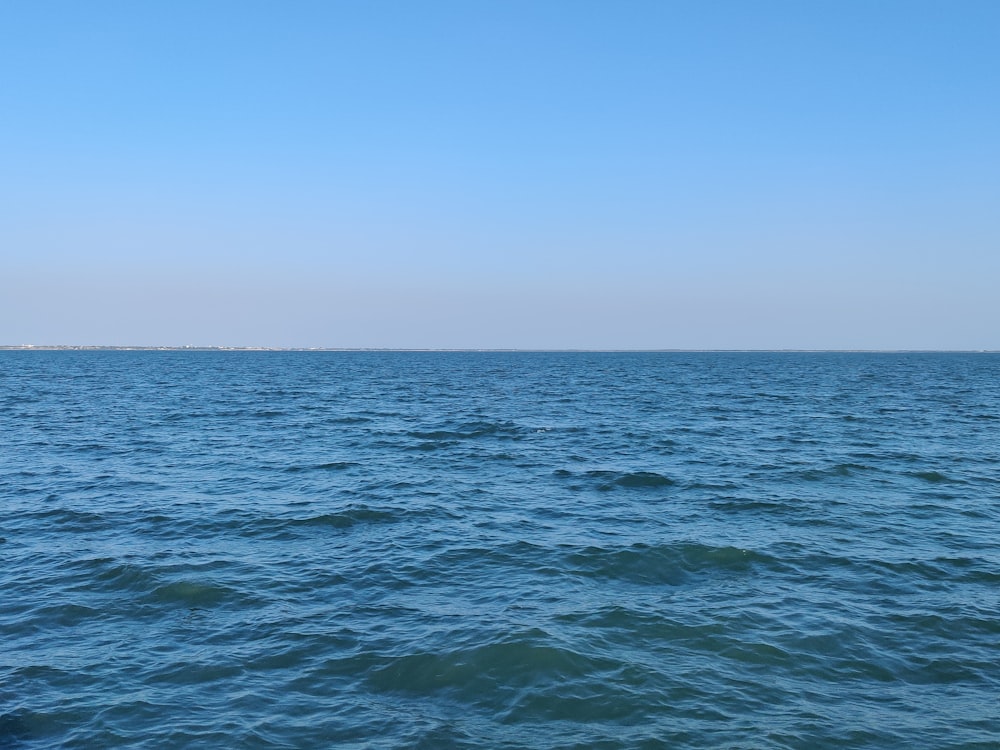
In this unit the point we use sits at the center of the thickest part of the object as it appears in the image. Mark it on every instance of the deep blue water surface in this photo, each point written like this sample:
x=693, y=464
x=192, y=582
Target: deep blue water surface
x=499, y=550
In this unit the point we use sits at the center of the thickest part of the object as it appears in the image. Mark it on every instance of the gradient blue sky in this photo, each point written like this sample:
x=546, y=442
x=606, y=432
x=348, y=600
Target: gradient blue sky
x=618, y=174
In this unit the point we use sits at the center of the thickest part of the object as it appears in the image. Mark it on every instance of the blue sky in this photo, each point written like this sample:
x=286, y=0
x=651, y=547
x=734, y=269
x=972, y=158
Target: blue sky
x=755, y=174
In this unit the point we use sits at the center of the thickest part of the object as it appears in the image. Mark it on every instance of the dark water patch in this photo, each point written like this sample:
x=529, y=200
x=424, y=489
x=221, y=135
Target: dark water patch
x=287, y=528
x=183, y=528
x=666, y=564
x=985, y=577
x=348, y=420
x=191, y=593
x=516, y=662
x=335, y=466
x=503, y=456
x=940, y=626
x=71, y=520
x=15, y=731
x=628, y=623
x=201, y=674
x=639, y=479
x=752, y=505
x=20, y=475
x=964, y=569
x=604, y=480
x=953, y=672
x=712, y=486
x=895, y=576
x=349, y=517
x=269, y=413
x=934, y=477
x=67, y=615
x=758, y=654
x=835, y=471
x=114, y=576
x=471, y=431
x=513, y=557
x=433, y=445
x=327, y=466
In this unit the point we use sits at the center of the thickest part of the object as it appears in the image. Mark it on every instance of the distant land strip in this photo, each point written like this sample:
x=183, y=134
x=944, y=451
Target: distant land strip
x=103, y=348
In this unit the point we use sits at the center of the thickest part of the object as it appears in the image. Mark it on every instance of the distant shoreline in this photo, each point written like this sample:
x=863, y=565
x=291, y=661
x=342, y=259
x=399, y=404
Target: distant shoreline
x=63, y=347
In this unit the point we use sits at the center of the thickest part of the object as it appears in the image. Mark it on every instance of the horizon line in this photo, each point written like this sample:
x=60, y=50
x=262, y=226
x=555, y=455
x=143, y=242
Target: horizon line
x=144, y=347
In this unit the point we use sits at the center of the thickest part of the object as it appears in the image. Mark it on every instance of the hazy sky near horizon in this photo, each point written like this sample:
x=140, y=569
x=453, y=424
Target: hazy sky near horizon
x=545, y=174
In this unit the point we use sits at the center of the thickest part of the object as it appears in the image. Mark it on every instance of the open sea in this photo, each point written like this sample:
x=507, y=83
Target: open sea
x=211, y=549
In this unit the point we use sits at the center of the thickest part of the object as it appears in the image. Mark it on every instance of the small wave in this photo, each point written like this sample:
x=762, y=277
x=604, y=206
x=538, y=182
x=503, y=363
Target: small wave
x=191, y=593
x=757, y=653
x=716, y=486
x=749, y=504
x=944, y=625
x=471, y=431
x=347, y=518
x=938, y=570
x=837, y=470
x=348, y=420
x=116, y=576
x=329, y=466
x=433, y=445
x=284, y=528
x=74, y=520
x=934, y=477
x=523, y=660
x=195, y=673
x=643, y=479
x=609, y=480
x=670, y=564
x=67, y=615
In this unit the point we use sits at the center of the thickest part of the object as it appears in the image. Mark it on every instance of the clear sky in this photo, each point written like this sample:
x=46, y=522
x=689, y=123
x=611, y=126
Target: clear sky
x=543, y=174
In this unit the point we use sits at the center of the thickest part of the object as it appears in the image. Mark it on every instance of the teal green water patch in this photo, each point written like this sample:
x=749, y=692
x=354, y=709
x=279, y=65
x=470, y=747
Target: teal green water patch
x=663, y=564
x=191, y=593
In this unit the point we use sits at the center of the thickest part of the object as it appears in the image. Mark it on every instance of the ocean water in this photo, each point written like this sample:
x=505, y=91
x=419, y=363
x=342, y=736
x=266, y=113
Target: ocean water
x=499, y=550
